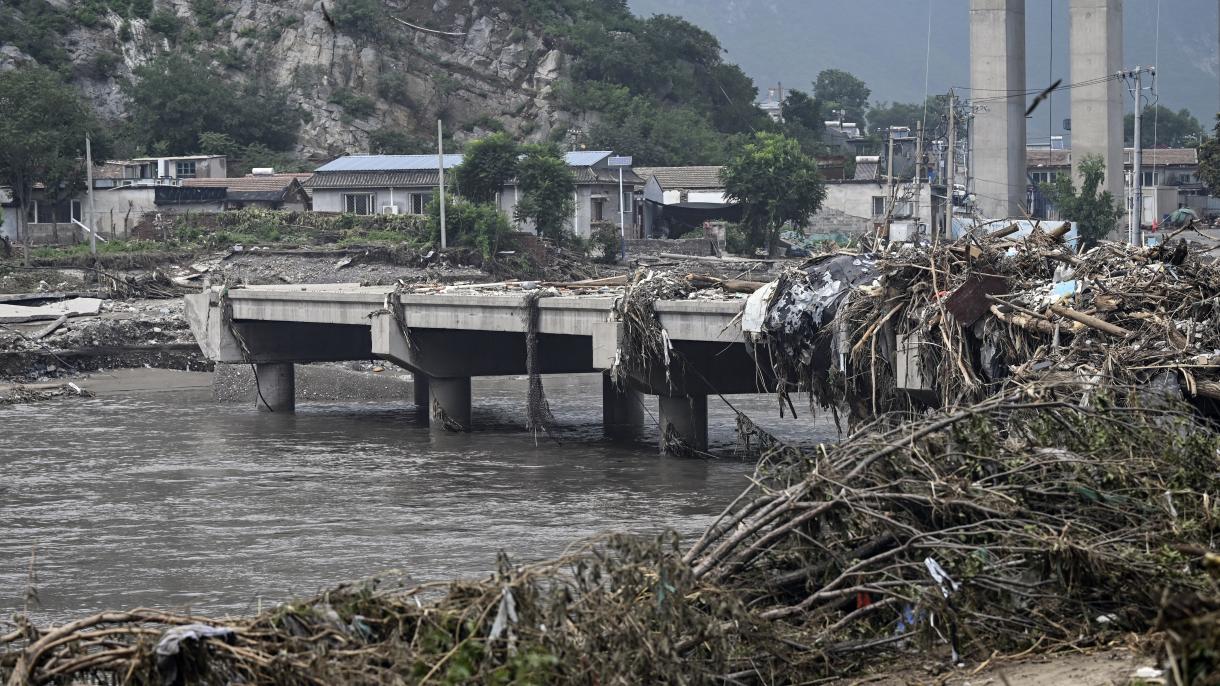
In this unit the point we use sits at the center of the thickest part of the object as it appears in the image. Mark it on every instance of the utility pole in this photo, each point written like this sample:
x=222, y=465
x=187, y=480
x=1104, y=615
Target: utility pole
x=889, y=179
x=92, y=211
x=440, y=168
x=1135, y=228
x=918, y=171
x=951, y=169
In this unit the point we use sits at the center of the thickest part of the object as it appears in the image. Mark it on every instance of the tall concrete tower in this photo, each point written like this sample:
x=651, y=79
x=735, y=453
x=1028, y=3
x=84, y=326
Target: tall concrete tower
x=997, y=68
x=1097, y=110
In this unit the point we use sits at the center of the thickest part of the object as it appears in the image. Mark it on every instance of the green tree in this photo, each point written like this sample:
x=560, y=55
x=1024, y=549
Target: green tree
x=803, y=121
x=172, y=117
x=1096, y=214
x=547, y=185
x=486, y=165
x=358, y=16
x=840, y=90
x=775, y=183
x=882, y=116
x=1171, y=129
x=43, y=122
x=1209, y=159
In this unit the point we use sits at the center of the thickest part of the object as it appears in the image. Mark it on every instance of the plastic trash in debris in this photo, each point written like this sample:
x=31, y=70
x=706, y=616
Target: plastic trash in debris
x=171, y=641
x=940, y=576
x=1064, y=290
x=755, y=313
x=1148, y=673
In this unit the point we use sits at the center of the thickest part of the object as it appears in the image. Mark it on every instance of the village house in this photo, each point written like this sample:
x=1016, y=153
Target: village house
x=262, y=189
x=677, y=200
x=404, y=184
x=1170, y=179
x=124, y=192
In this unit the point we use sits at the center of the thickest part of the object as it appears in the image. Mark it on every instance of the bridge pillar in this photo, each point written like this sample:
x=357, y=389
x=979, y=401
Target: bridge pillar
x=275, y=386
x=449, y=403
x=683, y=421
x=419, y=385
x=622, y=409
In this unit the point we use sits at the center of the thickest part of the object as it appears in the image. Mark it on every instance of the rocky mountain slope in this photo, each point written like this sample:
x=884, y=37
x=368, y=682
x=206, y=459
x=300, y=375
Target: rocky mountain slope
x=354, y=67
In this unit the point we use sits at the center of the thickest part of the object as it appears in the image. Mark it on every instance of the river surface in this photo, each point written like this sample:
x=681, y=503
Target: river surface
x=170, y=500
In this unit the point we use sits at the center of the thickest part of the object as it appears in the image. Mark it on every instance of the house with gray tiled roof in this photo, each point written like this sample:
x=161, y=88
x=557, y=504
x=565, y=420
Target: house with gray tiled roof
x=677, y=200
x=404, y=184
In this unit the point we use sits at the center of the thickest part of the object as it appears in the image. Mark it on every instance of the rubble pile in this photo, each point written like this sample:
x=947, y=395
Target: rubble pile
x=1024, y=520
x=953, y=323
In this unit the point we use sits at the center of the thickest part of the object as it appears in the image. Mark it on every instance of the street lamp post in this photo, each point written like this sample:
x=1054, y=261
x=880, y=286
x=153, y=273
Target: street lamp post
x=620, y=162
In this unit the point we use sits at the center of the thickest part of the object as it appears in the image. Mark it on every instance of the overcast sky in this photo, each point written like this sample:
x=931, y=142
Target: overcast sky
x=885, y=43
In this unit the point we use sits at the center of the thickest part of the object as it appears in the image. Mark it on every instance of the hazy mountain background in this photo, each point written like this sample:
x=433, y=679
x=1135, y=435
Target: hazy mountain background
x=884, y=42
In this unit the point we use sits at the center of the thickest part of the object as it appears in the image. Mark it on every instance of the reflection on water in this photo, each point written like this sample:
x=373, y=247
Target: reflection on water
x=174, y=501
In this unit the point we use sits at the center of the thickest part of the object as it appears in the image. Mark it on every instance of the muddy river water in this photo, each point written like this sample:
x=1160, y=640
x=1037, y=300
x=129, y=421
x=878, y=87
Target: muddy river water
x=170, y=500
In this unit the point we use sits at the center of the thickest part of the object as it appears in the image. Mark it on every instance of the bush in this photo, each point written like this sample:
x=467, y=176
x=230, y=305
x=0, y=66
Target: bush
x=394, y=87
x=605, y=242
x=354, y=104
x=473, y=225
x=166, y=23
x=387, y=141
x=738, y=241
x=358, y=16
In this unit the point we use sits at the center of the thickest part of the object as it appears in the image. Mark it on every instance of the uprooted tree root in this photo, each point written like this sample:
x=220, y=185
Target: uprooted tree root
x=1017, y=521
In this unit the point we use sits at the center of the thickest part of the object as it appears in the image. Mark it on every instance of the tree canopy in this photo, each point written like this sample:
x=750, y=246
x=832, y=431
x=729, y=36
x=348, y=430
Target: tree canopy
x=1164, y=128
x=1209, y=159
x=547, y=185
x=486, y=165
x=175, y=99
x=882, y=115
x=1096, y=214
x=840, y=90
x=43, y=122
x=659, y=84
x=775, y=183
x=803, y=121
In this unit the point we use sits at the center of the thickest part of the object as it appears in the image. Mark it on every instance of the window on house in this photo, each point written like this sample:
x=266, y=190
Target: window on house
x=419, y=203
x=358, y=203
x=1041, y=177
x=185, y=170
x=878, y=205
x=599, y=205
x=1150, y=178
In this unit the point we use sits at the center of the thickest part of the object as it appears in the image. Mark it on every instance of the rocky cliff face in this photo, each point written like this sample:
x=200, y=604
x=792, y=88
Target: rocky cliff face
x=465, y=61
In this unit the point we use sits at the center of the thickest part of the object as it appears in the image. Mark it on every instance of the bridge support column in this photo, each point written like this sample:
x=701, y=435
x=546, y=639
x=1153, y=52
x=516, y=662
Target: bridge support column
x=622, y=409
x=276, y=387
x=449, y=403
x=683, y=422
x=419, y=385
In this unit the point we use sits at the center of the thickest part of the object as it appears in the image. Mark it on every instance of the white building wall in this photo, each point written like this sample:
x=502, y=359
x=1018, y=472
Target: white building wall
x=120, y=209
x=856, y=199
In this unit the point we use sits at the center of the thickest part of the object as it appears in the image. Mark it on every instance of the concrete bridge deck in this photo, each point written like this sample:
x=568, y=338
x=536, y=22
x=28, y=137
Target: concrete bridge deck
x=445, y=339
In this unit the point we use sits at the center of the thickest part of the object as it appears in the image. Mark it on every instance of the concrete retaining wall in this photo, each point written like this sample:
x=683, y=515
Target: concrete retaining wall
x=700, y=247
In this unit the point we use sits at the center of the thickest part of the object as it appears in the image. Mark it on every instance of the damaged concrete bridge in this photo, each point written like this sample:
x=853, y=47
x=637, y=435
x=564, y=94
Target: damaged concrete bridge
x=445, y=339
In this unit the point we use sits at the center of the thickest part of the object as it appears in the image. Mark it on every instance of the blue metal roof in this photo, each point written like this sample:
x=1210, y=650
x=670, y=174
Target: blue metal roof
x=365, y=163
x=585, y=158
x=388, y=163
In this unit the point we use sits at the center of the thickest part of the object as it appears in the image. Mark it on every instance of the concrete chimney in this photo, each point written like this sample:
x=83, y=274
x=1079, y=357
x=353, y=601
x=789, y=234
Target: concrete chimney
x=1097, y=110
x=997, y=68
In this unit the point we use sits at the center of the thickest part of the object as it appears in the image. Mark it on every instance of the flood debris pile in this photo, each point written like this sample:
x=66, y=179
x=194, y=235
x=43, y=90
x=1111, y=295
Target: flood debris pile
x=954, y=323
x=1024, y=520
